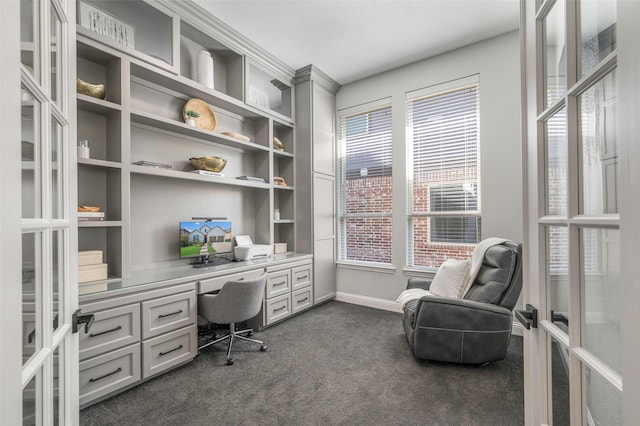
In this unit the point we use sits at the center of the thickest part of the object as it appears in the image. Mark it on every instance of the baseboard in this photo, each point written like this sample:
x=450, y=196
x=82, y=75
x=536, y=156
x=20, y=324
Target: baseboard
x=387, y=305
x=371, y=302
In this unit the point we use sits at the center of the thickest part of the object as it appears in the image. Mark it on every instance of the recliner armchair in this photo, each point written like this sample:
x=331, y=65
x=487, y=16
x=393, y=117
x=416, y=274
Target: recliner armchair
x=475, y=329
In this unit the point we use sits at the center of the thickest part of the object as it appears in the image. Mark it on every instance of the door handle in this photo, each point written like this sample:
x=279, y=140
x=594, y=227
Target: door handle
x=528, y=317
x=78, y=319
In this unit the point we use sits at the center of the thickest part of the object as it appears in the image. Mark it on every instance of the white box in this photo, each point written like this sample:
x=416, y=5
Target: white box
x=89, y=257
x=90, y=273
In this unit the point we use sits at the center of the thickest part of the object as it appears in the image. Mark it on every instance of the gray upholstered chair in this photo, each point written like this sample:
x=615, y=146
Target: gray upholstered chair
x=475, y=329
x=236, y=301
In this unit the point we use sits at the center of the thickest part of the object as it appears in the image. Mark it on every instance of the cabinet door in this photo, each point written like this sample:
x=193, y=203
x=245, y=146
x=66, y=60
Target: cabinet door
x=323, y=131
x=324, y=244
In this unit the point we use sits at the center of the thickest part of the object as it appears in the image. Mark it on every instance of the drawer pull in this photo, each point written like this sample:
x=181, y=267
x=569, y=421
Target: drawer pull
x=92, y=380
x=168, y=315
x=277, y=284
x=304, y=277
x=169, y=351
x=303, y=300
x=106, y=331
x=280, y=308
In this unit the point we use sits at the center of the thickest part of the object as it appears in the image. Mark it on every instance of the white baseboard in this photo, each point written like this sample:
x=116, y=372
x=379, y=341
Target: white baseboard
x=387, y=305
x=371, y=302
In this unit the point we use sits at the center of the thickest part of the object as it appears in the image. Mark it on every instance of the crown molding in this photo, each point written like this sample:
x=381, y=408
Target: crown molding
x=311, y=72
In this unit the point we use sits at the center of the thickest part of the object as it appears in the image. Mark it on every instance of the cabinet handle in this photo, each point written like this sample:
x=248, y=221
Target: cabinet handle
x=92, y=380
x=303, y=277
x=168, y=315
x=169, y=351
x=106, y=331
x=277, y=284
x=303, y=300
x=280, y=308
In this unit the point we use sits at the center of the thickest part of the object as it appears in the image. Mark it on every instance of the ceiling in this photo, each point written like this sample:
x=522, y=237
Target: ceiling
x=353, y=39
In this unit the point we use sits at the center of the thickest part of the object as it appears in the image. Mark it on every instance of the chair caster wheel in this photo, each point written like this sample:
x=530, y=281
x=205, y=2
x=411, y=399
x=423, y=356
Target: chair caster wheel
x=229, y=361
x=249, y=334
x=263, y=348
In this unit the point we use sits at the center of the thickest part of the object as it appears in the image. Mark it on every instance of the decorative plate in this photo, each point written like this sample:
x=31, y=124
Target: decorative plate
x=237, y=136
x=207, y=119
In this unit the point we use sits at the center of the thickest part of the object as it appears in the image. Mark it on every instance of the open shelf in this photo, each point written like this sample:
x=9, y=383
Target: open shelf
x=91, y=162
x=99, y=223
x=96, y=105
x=174, y=174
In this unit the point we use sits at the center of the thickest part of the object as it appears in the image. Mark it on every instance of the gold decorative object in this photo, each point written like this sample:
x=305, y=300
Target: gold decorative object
x=210, y=164
x=207, y=119
x=277, y=143
x=88, y=208
x=277, y=180
x=93, y=90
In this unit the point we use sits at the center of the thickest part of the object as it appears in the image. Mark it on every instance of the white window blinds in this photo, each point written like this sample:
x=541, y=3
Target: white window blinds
x=365, y=172
x=443, y=172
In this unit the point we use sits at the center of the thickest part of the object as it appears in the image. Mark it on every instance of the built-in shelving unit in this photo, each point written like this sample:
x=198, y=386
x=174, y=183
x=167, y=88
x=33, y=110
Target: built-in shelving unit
x=141, y=119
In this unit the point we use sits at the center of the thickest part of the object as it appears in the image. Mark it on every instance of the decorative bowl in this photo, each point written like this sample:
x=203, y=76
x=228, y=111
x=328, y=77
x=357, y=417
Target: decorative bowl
x=277, y=143
x=210, y=164
x=93, y=90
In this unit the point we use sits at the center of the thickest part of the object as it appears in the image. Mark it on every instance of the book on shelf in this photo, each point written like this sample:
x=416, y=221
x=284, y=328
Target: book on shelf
x=89, y=219
x=153, y=164
x=251, y=178
x=90, y=214
x=207, y=173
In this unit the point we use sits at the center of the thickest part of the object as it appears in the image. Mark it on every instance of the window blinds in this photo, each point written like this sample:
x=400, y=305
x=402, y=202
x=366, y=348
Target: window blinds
x=365, y=195
x=443, y=169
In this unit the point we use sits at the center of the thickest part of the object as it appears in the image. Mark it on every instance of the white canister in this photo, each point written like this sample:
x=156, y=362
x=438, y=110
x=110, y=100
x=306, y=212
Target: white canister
x=83, y=149
x=204, y=74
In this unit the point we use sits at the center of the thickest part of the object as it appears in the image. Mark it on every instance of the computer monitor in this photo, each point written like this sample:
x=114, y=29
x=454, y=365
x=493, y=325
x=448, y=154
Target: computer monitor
x=205, y=239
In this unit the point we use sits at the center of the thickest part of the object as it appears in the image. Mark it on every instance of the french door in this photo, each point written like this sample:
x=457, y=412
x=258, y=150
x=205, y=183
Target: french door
x=574, y=228
x=39, y=354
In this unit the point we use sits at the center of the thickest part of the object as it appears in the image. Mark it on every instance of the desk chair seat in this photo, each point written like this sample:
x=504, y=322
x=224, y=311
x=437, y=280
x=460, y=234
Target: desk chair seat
x=236, y=301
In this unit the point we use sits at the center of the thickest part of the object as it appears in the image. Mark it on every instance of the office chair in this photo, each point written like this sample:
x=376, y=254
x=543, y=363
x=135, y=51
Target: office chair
x=475, y=329
x=235, y=302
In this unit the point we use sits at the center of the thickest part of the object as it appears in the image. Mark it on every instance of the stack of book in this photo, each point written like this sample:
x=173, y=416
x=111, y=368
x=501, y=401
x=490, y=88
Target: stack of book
x=251, y=178
x=90, y=216
x=91, y=269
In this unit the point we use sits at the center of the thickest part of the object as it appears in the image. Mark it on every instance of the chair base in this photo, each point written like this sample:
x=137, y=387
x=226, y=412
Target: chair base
x=234, y=334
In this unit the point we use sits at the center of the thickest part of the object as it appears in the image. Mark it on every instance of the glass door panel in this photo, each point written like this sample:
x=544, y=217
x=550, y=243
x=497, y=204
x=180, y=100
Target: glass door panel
x=597, y=32
x=560, y=410
x=555, y=76
x=598, y=118
x=31, y=206
x=558, y=276
x=57, y=166
x=31, y=294
x=604, y=402
x=31, y=401
x=556, y=164
x=29, y=35
x=57, y=277
x=601, y=288
x=56, y=71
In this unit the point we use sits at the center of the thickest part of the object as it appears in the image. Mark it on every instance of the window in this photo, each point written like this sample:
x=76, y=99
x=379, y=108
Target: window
x=443, y=172
x=366, y=184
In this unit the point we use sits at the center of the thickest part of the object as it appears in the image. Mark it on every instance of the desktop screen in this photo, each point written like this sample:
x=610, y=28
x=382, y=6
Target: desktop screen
x=205, y=238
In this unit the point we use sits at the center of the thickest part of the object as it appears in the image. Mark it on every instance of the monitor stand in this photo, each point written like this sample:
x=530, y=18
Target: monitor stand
x=207, y=261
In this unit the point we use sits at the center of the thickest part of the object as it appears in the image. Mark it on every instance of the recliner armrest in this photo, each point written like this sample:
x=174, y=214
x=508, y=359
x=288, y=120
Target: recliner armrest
x=423, y=283
x=461, y=314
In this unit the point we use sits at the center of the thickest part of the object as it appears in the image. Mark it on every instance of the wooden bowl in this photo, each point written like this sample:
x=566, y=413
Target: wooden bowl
x=210, y=164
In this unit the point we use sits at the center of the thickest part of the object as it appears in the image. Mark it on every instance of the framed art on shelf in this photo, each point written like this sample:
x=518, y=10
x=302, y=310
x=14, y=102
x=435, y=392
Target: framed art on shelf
x=102, y=23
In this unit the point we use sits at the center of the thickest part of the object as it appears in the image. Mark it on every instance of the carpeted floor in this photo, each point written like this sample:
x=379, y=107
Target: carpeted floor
x=337, y=364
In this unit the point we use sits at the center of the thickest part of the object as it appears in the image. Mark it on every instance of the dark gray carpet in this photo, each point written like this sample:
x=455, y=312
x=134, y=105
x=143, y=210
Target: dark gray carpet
x=335, y=364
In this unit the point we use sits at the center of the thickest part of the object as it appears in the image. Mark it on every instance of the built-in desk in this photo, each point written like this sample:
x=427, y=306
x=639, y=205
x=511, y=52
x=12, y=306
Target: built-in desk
x=147, y=324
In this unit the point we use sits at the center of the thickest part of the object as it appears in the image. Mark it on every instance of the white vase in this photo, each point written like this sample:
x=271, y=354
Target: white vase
x=191, y=121
x=204, y=74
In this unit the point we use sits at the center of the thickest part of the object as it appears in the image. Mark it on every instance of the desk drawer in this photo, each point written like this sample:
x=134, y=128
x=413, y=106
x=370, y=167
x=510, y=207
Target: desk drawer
x=111, y=329
x=301, y=276
x=164, y=352
x=213, y=284
x=106, y=373
x=301, y=299
x=168, y=313
x=278, y=283
x=277, y=308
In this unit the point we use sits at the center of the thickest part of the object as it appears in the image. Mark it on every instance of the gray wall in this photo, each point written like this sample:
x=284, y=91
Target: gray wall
x=497, y=62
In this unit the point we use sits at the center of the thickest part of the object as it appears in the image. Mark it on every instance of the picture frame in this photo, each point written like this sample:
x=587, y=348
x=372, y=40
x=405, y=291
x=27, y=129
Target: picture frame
x=104, y=24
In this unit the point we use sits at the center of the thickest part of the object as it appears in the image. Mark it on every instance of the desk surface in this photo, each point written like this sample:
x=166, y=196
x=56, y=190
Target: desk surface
x=162, y=276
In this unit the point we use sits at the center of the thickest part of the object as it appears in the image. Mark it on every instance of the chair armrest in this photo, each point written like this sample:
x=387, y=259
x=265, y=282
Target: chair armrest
x=461, y=314
x=423, y=283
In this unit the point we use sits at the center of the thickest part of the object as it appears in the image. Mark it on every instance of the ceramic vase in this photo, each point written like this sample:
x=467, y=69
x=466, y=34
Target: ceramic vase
x=204, y=74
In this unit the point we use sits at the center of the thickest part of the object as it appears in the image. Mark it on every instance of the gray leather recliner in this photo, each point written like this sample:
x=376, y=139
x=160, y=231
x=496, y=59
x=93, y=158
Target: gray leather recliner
x=475, y=329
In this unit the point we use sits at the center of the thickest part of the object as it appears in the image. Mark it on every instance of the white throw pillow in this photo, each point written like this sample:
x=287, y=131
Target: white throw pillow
x=451, y=276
